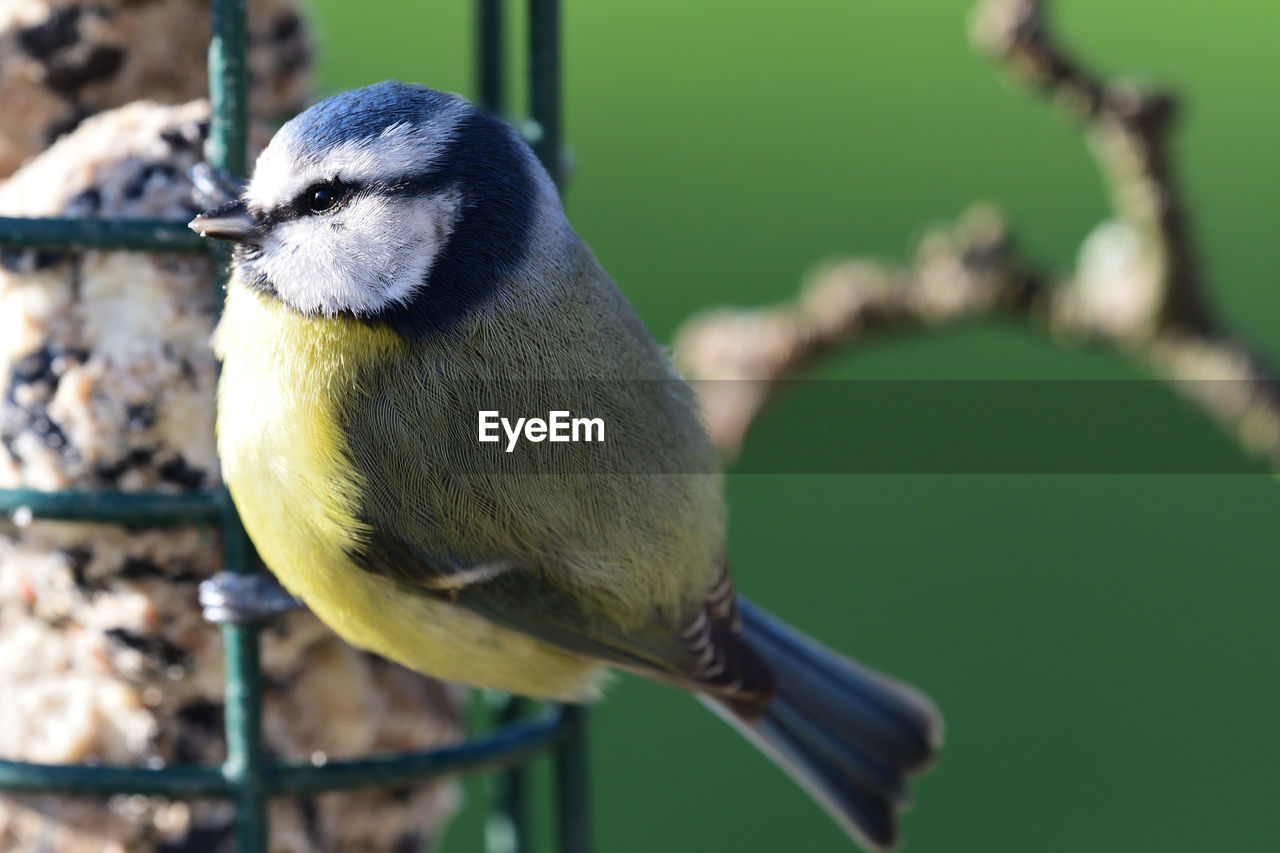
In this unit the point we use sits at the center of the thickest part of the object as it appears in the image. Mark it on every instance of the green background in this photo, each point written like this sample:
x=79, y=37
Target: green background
x=1104, y=647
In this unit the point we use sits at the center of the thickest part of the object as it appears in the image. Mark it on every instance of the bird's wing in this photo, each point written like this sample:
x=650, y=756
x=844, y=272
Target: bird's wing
x=701, y=649
x=613, y=550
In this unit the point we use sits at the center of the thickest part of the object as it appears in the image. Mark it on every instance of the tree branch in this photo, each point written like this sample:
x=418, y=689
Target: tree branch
x=1138, y=288
x=1130, y=129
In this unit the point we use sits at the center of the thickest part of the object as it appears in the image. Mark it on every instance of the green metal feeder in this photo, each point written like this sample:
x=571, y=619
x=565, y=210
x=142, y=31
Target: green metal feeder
x=246, y=777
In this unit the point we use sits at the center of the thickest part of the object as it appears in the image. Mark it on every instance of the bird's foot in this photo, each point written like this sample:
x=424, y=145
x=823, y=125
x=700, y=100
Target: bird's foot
x=214, y=187
x=256, y=597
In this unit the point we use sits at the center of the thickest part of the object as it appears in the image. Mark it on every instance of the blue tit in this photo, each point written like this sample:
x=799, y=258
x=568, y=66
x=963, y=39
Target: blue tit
x=403, y=262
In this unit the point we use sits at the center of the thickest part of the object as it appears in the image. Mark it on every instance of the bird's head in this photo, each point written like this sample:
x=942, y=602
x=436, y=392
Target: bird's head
x=394, y=203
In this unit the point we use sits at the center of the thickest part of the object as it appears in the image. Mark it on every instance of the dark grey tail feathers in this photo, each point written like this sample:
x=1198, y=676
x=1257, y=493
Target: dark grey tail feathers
x=850, y=736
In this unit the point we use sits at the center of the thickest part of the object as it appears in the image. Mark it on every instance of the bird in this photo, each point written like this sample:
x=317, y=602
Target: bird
x=402, y=264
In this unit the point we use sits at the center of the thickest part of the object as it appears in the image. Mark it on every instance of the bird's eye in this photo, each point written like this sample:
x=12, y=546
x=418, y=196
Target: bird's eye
x=322, y=198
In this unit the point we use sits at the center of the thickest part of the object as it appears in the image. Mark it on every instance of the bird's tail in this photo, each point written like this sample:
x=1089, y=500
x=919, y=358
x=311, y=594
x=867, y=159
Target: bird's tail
x=850, y=736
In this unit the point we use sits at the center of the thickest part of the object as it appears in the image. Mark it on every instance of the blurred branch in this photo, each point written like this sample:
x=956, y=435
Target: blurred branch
x=968, y=272
x=1130, y=128
x=1137, y=288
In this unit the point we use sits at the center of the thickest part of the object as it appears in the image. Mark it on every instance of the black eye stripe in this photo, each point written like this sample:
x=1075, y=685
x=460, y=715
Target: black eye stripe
x=418, y=184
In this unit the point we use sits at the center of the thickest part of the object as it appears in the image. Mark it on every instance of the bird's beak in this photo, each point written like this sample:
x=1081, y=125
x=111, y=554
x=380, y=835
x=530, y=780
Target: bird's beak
x=231, y=221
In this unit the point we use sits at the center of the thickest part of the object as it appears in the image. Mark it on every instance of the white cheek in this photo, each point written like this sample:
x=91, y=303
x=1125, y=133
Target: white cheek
x=372, y=253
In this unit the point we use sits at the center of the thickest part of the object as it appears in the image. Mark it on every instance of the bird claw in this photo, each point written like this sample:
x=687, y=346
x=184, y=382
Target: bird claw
x=256, y=597
x=213, y=187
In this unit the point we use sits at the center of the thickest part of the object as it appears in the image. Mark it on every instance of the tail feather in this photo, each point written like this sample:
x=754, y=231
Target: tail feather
x=847, y=734
x=895, y=721
x=790, y=723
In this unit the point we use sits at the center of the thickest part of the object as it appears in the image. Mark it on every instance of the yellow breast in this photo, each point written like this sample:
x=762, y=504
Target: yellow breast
x=285, y=462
